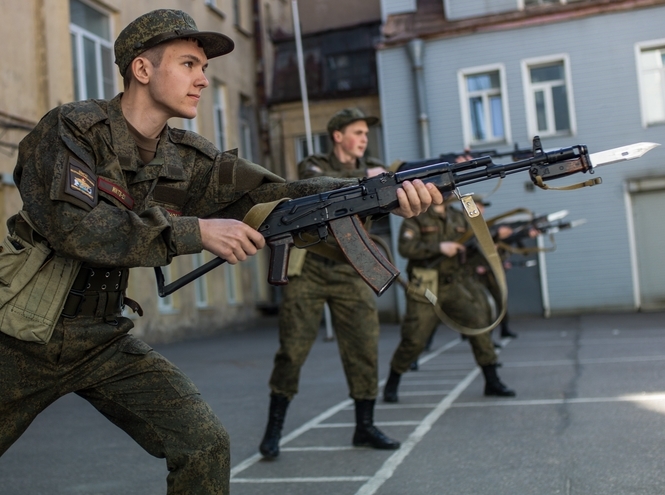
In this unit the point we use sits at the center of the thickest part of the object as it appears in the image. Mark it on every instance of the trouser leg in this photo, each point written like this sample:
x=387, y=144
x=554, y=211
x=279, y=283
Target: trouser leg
x=419, y=323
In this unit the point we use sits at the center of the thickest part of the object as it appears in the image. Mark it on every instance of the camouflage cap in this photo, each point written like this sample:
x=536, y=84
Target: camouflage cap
x=344, y=117
x=163, y=25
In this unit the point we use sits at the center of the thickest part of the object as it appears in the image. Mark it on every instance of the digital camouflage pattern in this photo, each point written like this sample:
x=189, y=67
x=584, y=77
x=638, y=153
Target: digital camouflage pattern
x=352, y=306
x=163, y=25
x=460, y=295
x=88, y=192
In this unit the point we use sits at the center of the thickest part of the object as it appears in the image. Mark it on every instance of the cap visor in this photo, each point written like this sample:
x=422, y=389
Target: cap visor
x=214, y=44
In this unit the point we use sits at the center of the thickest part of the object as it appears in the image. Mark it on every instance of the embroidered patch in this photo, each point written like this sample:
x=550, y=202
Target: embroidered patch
x=116, y=191
x=174, y=213
x=315, y=169
x=408, y=234
x=81, y=182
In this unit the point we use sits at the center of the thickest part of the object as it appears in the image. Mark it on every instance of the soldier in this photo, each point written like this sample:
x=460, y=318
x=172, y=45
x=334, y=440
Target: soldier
x=108, y=185
x=428, y=242
x=352, y=304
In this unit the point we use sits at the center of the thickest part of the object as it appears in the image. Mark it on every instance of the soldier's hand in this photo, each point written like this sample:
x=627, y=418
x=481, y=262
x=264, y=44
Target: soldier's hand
x=230, y=239
x=415, y=197
x=450, y=248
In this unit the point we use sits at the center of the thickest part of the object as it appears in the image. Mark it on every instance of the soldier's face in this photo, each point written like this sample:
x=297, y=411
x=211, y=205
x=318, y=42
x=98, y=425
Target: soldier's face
x=353, y=138
x=176, y=84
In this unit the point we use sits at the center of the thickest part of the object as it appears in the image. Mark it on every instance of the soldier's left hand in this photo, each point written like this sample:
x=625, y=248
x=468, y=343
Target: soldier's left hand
x=415, y=197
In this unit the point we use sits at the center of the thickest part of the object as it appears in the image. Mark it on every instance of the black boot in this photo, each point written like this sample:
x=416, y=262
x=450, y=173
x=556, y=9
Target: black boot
x=366, y=434
x=270, y=444
x=493, y=385
x=505, y=331
x=390, y=390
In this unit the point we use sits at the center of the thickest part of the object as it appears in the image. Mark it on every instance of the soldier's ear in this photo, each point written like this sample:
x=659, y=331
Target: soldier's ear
x=141, y=69
x=337, y=136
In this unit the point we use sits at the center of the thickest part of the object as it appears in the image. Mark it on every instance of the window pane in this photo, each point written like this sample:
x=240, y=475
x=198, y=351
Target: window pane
x=547, y=73
x=541, y=114
x=483, y=81
x=477, y=118
x=651, y=59
x=90, y=61
x=89, y=18
x=560, y=101
x=75, y=67
x=107, y=73
x=497, y=117
x=652, y=87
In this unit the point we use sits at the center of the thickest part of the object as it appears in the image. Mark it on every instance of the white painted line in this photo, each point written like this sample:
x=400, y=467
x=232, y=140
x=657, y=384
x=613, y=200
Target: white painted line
x=405, y=406
x=428, y=382
x=420, y=393
x=323, y=479
x=317, y=449
x=392, y=463
x=569, y=362
x=250, y=461
x=577, y=400
x=376, y=423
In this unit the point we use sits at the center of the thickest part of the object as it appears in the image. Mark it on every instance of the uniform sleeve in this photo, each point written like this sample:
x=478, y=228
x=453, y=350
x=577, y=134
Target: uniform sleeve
x=414, y=245
x=55, y=175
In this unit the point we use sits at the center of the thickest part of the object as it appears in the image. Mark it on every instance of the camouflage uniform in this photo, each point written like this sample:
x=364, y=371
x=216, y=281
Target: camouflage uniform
x=352, y=306
x=460, y=294
x=94, y=200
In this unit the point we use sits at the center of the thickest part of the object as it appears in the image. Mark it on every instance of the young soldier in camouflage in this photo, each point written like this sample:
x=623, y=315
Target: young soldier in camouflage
x=352, y=303
x=429, y=238
x=106, y=186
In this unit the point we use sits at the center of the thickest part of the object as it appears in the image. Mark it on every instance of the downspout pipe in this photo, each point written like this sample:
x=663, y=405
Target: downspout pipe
x=415, y=49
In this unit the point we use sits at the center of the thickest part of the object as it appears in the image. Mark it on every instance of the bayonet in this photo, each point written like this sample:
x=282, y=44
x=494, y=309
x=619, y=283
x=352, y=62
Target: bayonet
x=621, y=154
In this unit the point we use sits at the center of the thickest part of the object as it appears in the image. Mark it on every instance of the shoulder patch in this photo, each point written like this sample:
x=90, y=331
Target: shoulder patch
x=195, y=141
x=408, y=234
x=81, y=182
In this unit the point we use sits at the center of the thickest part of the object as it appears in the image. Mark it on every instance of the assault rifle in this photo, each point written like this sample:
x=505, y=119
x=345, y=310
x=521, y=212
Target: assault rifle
x=310, y=219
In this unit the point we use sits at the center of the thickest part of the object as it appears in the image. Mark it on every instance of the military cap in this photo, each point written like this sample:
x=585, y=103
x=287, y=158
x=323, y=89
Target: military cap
x=162, y=25
x=345, y=117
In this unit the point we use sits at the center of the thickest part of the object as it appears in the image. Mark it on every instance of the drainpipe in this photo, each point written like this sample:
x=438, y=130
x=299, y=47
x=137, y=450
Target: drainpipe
x=415, y=49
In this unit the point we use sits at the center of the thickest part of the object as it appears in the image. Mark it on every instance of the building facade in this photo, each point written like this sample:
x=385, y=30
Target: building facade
x=458, y=74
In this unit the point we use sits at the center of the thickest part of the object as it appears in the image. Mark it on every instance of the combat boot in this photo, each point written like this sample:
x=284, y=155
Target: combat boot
x=390, y=390
x=493, y=385
x=270, y=444
x=366, y=434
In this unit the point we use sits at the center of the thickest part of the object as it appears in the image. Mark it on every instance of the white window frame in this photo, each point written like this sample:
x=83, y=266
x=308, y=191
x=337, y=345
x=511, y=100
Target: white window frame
x=220, y=116
x=644, y=102
x=201, y=283
x=529, y=102
x=190, y=125
x=464, y=95
x=166, y=305
x=80, y=33
x=231, y=281
x=300, y=142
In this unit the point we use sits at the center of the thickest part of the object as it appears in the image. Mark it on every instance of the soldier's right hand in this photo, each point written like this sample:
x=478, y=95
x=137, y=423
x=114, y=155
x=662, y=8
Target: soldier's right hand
x=230, y=239
x=450, y=248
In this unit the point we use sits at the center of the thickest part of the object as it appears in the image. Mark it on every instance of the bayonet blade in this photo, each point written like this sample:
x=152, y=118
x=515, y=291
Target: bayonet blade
x=557, y=215
x=621, y=154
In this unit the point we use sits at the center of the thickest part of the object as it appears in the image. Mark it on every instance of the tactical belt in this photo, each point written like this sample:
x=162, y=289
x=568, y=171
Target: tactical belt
x=95, y=287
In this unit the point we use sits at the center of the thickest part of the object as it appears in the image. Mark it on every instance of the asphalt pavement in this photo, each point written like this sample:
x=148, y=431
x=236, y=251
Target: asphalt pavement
x=588, y=418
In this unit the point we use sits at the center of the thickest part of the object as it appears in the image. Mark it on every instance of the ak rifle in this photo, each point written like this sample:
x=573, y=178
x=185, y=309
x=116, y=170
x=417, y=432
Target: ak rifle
x=309, y=220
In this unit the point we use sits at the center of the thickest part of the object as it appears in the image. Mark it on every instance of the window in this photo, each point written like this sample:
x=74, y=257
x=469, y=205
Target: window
x=651, y=74
x=231, y=280
x=484, y=106
x=165, y=305
x=92, y=52
x=200, y=284
x=548, y=97
x=245, y=126
x=219, y=110
x=190, y=125
x=320, y=144
x=346, y=72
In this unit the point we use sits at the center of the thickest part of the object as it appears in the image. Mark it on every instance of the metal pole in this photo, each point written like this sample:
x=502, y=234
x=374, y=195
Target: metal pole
x=301, y=71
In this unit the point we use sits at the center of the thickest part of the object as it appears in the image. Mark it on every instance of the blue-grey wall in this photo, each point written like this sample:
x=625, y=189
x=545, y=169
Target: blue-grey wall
x=591, y=267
